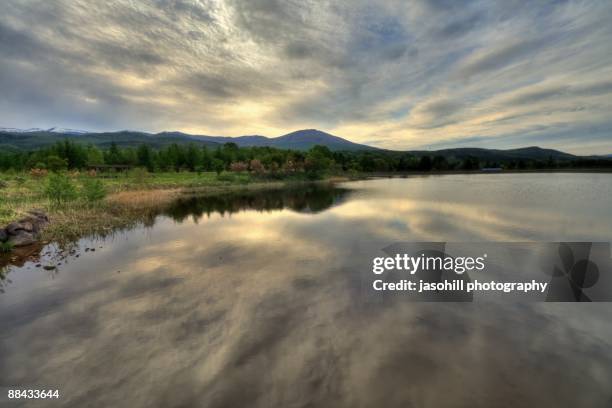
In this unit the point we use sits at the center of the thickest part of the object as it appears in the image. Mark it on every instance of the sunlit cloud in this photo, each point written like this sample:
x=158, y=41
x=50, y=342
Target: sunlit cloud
x=395, y=74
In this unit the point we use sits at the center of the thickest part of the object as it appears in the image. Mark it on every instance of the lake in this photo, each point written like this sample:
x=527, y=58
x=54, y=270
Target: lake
x=249, y=300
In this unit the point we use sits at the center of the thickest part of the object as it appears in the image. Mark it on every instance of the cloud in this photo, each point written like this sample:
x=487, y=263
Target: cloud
x=498, y=58
x=436, y=112
x=404, y=74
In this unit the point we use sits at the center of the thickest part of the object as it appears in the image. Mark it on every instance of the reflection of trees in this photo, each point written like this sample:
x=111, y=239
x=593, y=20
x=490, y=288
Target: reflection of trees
x=309, y=199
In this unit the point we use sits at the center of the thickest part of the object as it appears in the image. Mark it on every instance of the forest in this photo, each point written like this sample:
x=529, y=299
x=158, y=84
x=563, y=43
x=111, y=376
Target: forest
x=315, y=162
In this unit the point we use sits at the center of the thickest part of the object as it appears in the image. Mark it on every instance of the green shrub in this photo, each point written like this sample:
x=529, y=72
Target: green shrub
x=3, y=184
x=5, y=247
x=60, y=188
x=139, y=175
x=55, y=163
x=218, y=166
x=93, y=190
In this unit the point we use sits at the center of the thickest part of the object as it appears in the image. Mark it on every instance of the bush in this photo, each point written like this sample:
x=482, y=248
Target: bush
x=5, y=247
x=60, y=189
x=239, y=167
x=3, y=184
x=55, y=163
x=256, y=166
x=139, y=175
x=217, y=166
x=93, y=190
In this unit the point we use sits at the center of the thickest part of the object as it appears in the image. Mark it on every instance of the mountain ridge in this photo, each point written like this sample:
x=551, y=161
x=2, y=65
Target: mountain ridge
x=16, y=139
x=298, y=140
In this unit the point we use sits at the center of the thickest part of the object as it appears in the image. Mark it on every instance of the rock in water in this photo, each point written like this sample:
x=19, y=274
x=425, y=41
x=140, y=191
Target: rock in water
x=25, y=231
x=22, y=238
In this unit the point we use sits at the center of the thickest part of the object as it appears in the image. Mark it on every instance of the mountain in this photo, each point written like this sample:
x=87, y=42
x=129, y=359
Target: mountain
x=40, y=138
x=16, y=139
x=69, y=131
x=299, y=140
x=305, y=139
x=53, y=130
x=525, y=153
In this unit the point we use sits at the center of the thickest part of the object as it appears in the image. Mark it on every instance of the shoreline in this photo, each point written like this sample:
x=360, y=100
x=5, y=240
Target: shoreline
x=126, y=208
x=449, y=172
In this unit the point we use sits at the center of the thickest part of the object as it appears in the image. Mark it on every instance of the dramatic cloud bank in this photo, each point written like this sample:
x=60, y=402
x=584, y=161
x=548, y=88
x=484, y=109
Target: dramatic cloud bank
x=395, y=74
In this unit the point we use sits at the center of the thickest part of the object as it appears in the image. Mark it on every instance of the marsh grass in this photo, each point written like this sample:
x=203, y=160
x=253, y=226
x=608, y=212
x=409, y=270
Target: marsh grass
x=128, y=199
x=5, y=247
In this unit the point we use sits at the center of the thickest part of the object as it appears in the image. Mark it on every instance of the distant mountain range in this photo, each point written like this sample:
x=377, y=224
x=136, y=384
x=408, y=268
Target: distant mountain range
x=532, y=152
x=299, y=140
x=28, y=139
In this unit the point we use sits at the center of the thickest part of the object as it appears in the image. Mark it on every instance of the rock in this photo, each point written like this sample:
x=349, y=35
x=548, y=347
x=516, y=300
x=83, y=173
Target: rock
x=29, y=226
x=22, y=238
x=13, y=228
x=39, y=214
x=49, y=267
x=25, y=231
x=33, y=224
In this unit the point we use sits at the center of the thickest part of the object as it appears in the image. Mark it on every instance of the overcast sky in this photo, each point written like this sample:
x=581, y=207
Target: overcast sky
x=394, y=74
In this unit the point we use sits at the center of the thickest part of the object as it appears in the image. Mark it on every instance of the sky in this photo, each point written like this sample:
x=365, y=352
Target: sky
x=424, y=74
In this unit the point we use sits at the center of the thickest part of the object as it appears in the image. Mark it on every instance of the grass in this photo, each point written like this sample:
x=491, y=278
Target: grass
x=132, y=197
x=5, y=247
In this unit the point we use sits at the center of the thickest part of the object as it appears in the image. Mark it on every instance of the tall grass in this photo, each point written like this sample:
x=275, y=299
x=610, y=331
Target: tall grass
x=84, y=203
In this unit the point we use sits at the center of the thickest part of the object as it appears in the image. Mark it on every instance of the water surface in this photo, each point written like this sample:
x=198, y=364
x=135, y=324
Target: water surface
x=249, y=300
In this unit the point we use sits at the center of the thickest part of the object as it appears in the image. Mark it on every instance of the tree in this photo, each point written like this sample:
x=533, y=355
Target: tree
x=318, y=160
x=425, y=163
x=470, y=163
x=113, y=156
x=440, y=163
x=93, y=190
x=206, y=159
x=192, y=157
x=56, y=164
x=145, y=156
x=256, y=166
x=239, y=167
x=94, y=156
x=60, y=189
x=218, y=166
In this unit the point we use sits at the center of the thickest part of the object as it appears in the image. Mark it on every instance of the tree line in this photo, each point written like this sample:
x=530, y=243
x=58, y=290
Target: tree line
x=69, y=155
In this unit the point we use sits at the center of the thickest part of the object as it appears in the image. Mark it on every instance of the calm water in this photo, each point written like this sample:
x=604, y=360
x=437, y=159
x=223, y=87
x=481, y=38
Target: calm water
x=247, y=301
